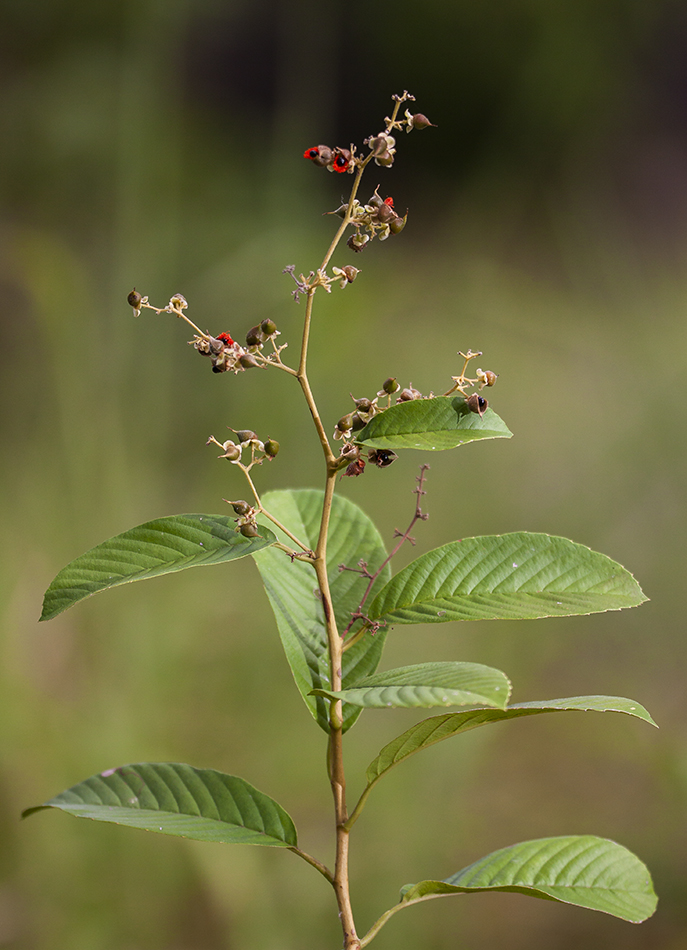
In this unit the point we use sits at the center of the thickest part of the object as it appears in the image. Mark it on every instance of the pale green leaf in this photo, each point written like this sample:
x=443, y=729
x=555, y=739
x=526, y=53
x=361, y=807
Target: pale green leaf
x=583, y=870
x=175, y=799
x=509, y=577
x=149, y=550
x=430, y=731
x=292, y=590
x=429, y=684
x=442, y=422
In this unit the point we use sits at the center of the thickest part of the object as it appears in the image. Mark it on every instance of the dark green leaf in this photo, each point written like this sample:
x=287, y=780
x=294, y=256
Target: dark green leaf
x=154, y=548
x=442, y=422
x=292, y=590
x=429, y=684
x=510, y=577
x=579, y=869
x=430, y=731
x=175, y=799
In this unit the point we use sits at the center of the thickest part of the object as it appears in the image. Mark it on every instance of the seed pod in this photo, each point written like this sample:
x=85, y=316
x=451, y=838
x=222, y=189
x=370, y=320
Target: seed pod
x=219, y=367
x=249, y=530
x=351, y=272
x=134, y=299
x=231, y=452
x=345, y=423
x=245, y=435
x=358, y=423
x=375, y=201
x=397, y=224
x=216, y=345
x=363, y=405
x=350, y=452
x=384, y=158
x=390, y=385
x=248, y=361
x=489, y=377
x=178, y=301
x=407, y=394
x=271, y=448
x=241, y=507
x=268, y=327
x=477, y=404
x=421, y=121
x=385, y=213
x=255, y=336
x=319, y=155
x=381, y=457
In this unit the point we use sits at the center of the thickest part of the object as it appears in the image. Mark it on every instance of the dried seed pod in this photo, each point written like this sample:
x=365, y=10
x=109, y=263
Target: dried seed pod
x=421, y=121
x=319, y=155
x=477, y=403
x=381, y=457
x=355, y=468
x=245, y=435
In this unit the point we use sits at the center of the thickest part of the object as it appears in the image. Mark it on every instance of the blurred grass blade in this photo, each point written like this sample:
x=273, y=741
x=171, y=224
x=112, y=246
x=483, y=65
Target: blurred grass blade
x=429, y=684
x=442, y=422
x=517, y=576
x=175, y=799
x=584, y=870
x=149, y=550
x=430, y=731
x=292, y=591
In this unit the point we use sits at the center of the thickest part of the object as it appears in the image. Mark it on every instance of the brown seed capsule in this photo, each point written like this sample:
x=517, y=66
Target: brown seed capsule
x=271, y=448
x=241, y=507
x=421, y=121
x=219, y=367
x=390, y=385
x=248, y=361
x=358, y=423
x=477, y=403
x=215, y=346
x=397, y=224
x=364, y=404
x=231, y=452
x=134, y=299
x=351, y=272
x=381, y=457
x=355, y=468
x=384, y=158
x=490, y=377
x=350, y=452
x=245, y=435
x=268, y=327
x=255, y=336
x=375, y=201
x=249, y=530
x=345, y=423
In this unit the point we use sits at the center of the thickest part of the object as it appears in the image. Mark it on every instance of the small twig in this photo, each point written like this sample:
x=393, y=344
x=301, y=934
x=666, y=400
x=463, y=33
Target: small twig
x=322, y=868
x=418, y=515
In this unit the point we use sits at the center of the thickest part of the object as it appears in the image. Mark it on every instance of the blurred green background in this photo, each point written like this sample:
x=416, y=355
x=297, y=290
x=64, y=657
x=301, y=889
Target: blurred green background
x=158, y=144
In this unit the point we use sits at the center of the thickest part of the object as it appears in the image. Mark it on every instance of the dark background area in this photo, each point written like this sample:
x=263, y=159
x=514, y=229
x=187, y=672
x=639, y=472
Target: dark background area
x=160, y=145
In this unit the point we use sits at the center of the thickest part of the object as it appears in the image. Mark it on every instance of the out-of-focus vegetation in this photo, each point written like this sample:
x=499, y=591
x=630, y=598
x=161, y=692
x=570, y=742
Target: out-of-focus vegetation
x=159, y=145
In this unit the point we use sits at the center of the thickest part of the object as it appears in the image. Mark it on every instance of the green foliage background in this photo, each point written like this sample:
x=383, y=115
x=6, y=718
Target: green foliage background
x=159, y=145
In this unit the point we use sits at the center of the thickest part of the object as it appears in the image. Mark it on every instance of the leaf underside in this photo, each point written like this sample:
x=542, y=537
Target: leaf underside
x=442, y=422
x=175, y=799
x=292, y=591
x=516, y=576
x=437, y=728
x=583, y=870
x=427, y=685
x=150, y=550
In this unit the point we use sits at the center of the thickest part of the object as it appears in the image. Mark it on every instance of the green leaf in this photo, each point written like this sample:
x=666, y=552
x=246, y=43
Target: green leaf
x=442, y=422
x=578, y=869
x=429, y=684
x=505, y=577
x=154, y=548
x=175, y=799
x=292, y=590
x=430, y=731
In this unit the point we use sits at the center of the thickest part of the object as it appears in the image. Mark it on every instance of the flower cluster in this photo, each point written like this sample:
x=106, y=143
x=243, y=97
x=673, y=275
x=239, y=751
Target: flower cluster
x=333, y=159
x=245, y=523
x=378, y=217
x=246, y=440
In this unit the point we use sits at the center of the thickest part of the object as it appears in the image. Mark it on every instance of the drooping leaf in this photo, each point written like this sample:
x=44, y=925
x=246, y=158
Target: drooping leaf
x=430, y=731
x=442, y=422
x=149, y=550
x=579, y=869
x=292, y=590
x=510, y=577
x=175, y=799
x=429, y=684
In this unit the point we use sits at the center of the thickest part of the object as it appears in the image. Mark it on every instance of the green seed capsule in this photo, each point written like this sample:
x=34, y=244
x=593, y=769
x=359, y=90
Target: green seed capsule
x=245, y=435
x=134, y=299
x=268, y=327
x=345, y=422
x=241, y=507
x=255, y=336
x=391, y=385
x=249, y=530
x=271, y=448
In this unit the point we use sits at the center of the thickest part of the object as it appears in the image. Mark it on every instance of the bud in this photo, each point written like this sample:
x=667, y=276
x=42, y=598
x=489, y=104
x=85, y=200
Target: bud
x=477, y=404
x=397, y=224
x=246, y=435
x=268, y=327
x=249, y=530
x=134, y=300
x=271, y=448
x=255, y=336
x=241, y=507
x=390, y=385
x=248, y=361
